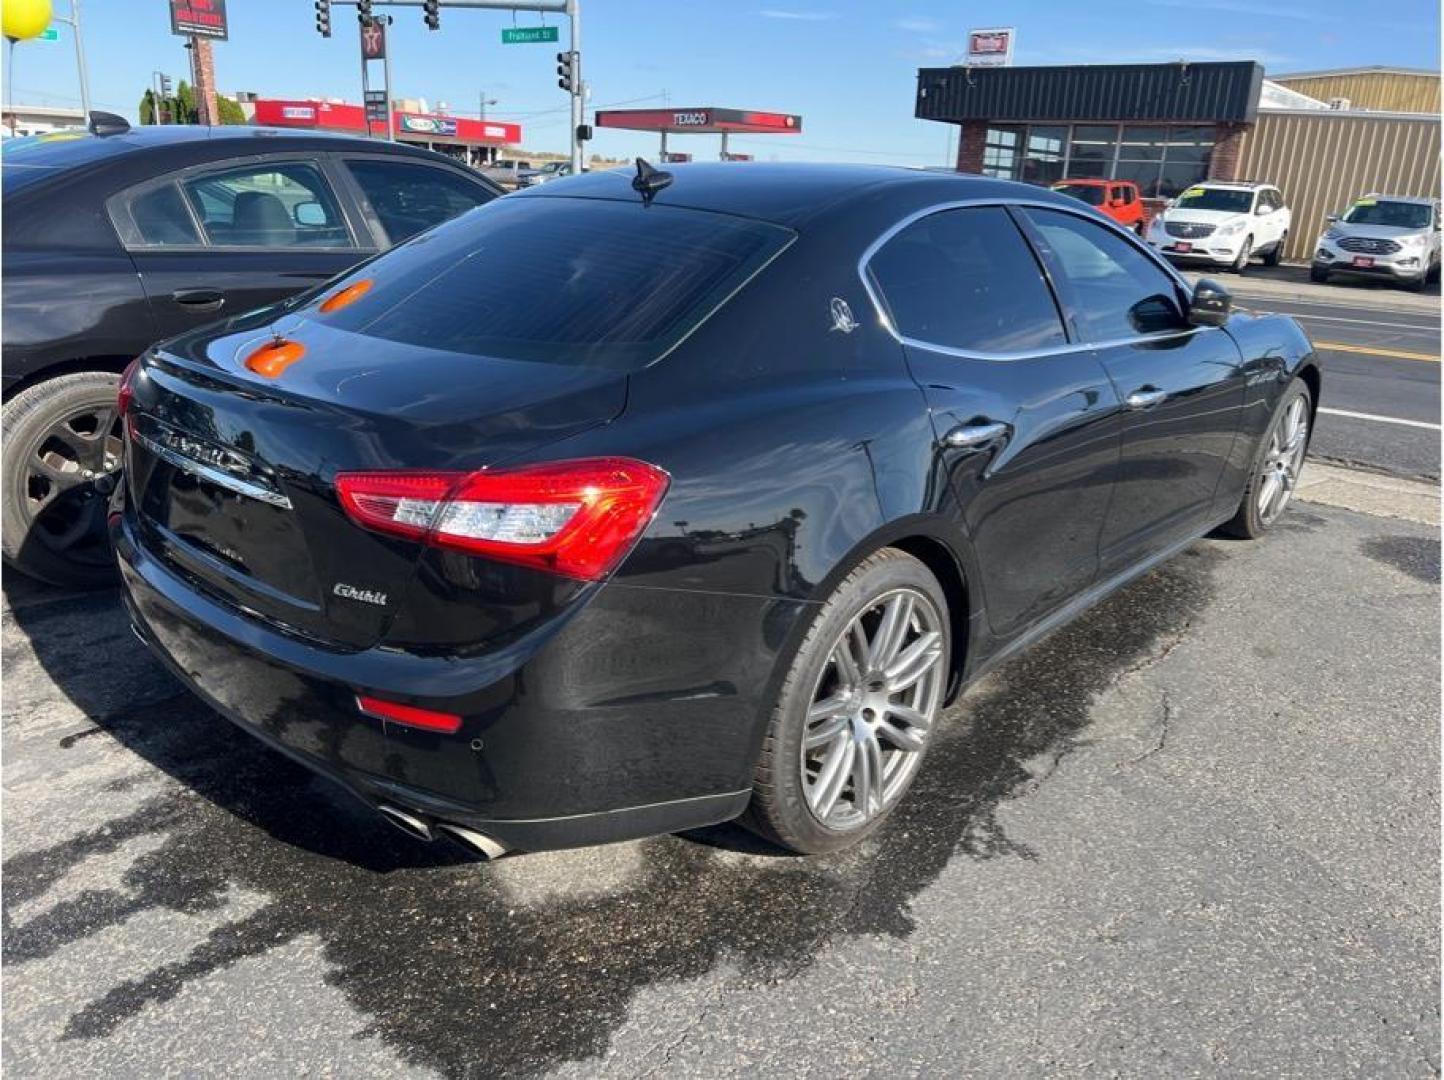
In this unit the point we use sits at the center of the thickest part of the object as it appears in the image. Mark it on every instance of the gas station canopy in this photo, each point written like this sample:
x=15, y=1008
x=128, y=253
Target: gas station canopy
x=701, y=121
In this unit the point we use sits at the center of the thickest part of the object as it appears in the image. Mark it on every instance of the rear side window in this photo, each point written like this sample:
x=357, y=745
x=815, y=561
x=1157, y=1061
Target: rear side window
x=567, y=281
x=1118, y=292
x=965, y=279
x=161, y=218
x=407, y=197
x=277, y=205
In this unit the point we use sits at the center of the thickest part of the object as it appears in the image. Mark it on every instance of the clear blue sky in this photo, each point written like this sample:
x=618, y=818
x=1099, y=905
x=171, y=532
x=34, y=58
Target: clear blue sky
x=847, y=66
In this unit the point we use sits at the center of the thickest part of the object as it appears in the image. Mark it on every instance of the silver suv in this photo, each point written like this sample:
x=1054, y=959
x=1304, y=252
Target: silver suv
x=1392, y=236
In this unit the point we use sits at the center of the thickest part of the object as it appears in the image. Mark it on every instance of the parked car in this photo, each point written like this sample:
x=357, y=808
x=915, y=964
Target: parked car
x=509, y=173
x=1223, y=224
x=115, y=240
x=1393, y=236
x=707, y=514
x=1117, y=199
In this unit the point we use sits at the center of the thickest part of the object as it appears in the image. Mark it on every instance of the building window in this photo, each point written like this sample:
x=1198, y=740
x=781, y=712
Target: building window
x=1046, y=153
x=1000, y=152
x=1093, y=151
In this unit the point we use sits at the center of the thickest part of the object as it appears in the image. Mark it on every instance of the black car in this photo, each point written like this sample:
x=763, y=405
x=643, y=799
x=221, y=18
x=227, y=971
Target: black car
x=706, y=513
x=117, y=238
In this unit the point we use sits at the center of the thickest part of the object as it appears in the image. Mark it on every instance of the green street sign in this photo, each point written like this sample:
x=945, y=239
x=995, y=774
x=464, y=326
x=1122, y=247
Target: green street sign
x=528, y=35
x=49, y=34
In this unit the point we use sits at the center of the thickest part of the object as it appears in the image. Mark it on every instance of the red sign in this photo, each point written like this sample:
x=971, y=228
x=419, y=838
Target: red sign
x=701, y=120
x=417, y=127
x=373, y=41
x=199, y=18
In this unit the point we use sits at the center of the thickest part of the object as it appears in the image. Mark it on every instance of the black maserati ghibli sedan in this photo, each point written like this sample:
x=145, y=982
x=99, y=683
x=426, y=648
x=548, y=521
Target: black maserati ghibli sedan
x=630, y=504
x=115, y=238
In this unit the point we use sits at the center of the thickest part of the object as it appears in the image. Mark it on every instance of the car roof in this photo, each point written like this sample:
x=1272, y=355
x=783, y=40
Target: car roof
x=786, y=193
x=1417, y=200
x=1236, y=185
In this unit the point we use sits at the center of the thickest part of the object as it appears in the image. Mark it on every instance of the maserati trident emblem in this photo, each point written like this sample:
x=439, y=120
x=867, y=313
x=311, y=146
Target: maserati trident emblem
x=365, y=596
x=842, y=316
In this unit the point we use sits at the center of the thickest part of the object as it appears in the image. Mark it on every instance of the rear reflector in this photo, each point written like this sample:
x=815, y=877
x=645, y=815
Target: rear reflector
x=427, y=719
x=574, y=518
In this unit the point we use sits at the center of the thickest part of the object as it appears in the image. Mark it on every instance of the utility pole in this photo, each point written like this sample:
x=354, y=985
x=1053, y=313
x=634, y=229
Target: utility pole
x=74, y=23
x=485, y=101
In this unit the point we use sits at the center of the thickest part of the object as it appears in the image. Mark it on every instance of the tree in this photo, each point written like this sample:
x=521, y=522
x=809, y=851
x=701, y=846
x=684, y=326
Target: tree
x=147, y=107
x=185, y=101
x=228, y=110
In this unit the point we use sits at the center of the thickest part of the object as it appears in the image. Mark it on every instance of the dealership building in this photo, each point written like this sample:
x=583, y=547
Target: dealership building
x=1324, y=137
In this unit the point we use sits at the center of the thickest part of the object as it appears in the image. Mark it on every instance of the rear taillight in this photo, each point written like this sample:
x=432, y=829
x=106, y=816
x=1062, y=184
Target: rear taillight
x=575, y=518
x=125, y=393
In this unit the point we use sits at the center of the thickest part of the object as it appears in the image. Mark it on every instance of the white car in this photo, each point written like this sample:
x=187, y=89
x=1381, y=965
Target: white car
x=1391, y=236
x=1220, y=223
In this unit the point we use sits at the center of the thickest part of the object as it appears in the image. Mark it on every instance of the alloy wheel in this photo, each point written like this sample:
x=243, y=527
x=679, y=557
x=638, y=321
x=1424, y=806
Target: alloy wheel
x=872, y=710
x=69, y=472
x=1283, y=460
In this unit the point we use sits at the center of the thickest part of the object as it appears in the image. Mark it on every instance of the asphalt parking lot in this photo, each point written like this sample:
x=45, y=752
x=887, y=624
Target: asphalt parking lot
x=1195, y=833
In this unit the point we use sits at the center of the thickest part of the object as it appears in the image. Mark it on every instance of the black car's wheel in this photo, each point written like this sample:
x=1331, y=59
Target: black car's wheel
x=1276, y=253
x=62, y=459
x=1240, y=264
x=856, y=711
x=1276, y=466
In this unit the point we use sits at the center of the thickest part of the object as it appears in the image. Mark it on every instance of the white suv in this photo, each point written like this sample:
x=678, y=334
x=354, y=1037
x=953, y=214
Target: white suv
x=1223, y=224
x=1388, y=236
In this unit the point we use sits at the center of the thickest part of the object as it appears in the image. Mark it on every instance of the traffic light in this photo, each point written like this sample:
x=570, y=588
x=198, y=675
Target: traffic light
x=567, y=71
x=363, y=13
x=432, y=10
x=323, y=17
x=165, y=86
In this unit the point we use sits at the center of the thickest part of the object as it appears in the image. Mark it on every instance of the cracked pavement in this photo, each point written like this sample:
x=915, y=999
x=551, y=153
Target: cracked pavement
x=1195, y=833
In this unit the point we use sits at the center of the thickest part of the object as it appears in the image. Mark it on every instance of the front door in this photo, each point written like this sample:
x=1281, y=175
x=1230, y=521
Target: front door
x=1027, y=425
x=1182, y=386
x=218, y=242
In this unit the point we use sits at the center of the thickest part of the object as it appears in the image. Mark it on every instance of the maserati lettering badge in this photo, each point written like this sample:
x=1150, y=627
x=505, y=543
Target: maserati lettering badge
x=842, y=316
x=366, y=596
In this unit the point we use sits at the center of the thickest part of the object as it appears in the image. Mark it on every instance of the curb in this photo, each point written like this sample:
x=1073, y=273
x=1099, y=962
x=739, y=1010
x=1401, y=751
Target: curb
x=1370, y=493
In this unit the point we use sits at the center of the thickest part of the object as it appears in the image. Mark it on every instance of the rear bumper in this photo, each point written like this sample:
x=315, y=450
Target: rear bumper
x=640, y=713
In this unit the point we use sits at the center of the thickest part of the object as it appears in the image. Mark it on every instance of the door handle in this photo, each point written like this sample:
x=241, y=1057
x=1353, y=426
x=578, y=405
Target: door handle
x=1146, y=397
x=978, y=433
x=199, y=299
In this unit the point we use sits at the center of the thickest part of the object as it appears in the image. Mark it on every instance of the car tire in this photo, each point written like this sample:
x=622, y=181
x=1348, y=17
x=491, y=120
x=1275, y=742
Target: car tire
x=830, y=732
x=1276, y=253
x=1418, y=284
x=1257, y=510
x=1318, y=275
x=52, y=517
x=1240, y=264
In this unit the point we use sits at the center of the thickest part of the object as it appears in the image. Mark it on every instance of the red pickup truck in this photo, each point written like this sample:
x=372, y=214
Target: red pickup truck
x=1118, y=199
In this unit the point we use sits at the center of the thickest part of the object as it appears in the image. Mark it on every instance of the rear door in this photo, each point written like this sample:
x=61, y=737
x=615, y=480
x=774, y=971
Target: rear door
x=1182, y=386
x=223, y=239
x=1026, y=423
x=402, y=197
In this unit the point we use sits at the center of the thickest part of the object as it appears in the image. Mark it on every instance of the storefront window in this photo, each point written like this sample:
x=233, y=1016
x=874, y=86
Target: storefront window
x=1046, y=152
x=1093, y=150
x=1161, y=160
x=1000, y=153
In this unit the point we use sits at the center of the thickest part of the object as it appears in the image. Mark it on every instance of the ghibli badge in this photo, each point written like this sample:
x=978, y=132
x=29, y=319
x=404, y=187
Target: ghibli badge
x=366, y=596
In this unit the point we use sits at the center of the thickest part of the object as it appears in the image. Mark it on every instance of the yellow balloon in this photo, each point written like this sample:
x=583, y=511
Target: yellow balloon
x=25, y=19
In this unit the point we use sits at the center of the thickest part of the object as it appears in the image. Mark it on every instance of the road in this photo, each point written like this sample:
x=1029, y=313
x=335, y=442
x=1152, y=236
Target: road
x=1379, y=361
x=1196, y=833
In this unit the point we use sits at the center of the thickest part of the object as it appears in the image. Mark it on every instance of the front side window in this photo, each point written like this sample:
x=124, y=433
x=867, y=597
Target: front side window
x=278, y=205
x=965, y=279
x=408, y=197
x=1118, y=292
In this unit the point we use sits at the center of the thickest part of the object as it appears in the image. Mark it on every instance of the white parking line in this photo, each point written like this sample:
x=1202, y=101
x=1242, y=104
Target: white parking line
x=1369, y=322
x=1380, y=419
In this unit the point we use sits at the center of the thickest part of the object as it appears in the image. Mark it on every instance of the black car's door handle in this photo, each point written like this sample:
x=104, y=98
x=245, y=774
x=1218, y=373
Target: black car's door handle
x=1145, y=397
x=199, y=299
x=977, y=433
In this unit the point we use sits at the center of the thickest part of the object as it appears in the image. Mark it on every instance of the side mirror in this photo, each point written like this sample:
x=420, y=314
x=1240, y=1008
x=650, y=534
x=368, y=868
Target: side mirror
x=1331, y=218
x=309, y=213
x=1210, y=304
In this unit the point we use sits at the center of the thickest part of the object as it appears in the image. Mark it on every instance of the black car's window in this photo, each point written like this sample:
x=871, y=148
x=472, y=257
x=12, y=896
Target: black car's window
x=1118, y=291
x=277, y=205
x=161, y=218
x=965, y=279
x=565, y=281
x=408, y=197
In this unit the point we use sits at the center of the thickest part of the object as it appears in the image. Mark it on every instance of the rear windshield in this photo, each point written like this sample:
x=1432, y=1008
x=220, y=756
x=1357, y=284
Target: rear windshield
x=568, y=281
x=30, y=158
x=1092, y=194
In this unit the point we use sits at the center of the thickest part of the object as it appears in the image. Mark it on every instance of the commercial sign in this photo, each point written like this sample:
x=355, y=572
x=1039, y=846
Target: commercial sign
x=528, y=35
x=199, y=18
x=49, y=34
x=991, y=48
x=298, y=112
x=702, y=119
x=373, y=41
x=428, y=125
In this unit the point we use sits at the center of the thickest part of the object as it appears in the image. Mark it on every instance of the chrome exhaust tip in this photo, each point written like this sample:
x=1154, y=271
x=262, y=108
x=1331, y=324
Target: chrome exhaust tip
x=413, y=826
x=478, y=842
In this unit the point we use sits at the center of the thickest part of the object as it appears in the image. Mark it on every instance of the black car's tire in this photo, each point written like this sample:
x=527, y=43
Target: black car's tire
x=1240, y=264
x=52, y=517
x=857, y=716
x=1318, y=274
x=1252, y=519
x=1276, y=253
